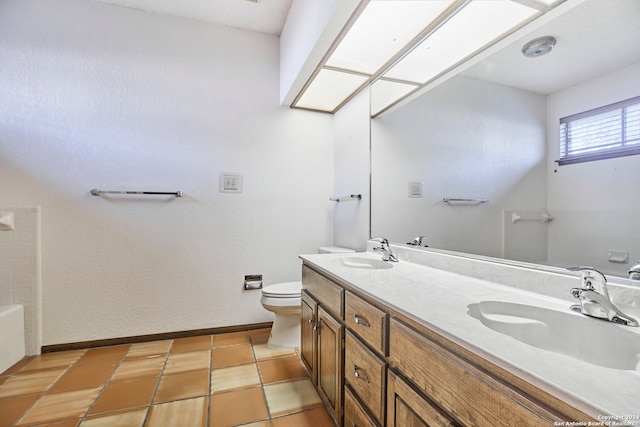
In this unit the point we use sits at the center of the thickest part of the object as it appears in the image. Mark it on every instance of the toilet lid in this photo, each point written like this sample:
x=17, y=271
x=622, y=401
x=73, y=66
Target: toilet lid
x=283, y=290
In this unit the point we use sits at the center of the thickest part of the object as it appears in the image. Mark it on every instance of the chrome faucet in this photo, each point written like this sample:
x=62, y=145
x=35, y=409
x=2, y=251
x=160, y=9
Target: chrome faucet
x=385, y=250
x=418, y=241
x=594, y=298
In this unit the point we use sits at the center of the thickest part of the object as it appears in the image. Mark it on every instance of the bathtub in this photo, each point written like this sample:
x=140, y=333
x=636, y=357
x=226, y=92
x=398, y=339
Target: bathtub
x=11, y=335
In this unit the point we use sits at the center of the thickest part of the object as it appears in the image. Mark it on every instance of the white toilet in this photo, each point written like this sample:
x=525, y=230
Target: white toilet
x=283, y=299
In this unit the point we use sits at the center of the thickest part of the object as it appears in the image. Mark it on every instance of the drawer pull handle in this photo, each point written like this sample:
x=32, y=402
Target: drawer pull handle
x=360, y=320
x=359, y=373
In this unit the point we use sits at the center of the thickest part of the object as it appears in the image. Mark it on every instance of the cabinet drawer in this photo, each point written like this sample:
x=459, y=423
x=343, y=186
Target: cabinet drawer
x=408, y=408
x=354, y=414
x=367, y=321
x=463, y=390
x=366, y=374
x=327, y=293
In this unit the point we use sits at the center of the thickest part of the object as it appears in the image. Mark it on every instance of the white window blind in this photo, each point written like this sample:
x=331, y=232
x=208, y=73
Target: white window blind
x=602, y=133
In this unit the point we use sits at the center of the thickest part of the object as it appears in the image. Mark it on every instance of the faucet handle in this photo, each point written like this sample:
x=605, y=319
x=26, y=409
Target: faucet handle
x=417, y=241
x=589, y=276
x=381, y=240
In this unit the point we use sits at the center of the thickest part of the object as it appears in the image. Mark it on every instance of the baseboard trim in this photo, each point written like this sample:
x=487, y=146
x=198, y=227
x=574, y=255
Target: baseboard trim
x=152, y=337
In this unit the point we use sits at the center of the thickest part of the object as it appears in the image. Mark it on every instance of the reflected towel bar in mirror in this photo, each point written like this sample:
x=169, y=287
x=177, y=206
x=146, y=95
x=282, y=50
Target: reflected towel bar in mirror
x=346, y=198
x=97, y=192
x=453, y=200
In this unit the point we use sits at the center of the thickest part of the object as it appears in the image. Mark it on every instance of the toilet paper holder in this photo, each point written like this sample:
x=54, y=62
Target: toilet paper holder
x=253, y=281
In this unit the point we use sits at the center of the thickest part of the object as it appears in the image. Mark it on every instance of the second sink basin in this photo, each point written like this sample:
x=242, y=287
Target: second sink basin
x=366, y=263
x=575, y=335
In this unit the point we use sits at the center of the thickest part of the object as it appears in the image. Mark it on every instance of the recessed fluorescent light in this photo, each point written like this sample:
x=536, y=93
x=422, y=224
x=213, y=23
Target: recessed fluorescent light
x=382, y=30
x=386, y=92
x=472, y=28
x=329, y=89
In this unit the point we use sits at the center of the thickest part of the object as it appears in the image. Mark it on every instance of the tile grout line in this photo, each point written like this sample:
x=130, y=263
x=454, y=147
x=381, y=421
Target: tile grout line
x=104, y=387
x=41, y=395
x=264, y=393
x=155, y=390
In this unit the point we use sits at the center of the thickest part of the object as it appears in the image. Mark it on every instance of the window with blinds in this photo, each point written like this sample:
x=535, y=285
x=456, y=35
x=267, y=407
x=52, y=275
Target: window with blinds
x=602, y=133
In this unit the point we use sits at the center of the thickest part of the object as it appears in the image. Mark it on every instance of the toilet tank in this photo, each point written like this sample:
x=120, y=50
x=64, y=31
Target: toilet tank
x=333, y=250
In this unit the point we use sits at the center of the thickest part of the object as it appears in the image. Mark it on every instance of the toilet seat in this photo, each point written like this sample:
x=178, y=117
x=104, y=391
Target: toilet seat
x=283, y=290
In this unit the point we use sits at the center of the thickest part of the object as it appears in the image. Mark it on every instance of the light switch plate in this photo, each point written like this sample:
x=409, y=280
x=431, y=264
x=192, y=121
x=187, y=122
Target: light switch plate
x=230, y=183
x=415, y=189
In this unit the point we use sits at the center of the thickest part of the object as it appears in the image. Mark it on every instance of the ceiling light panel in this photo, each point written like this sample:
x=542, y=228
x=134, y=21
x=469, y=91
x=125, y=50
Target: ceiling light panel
x=329, y=89
x=382, y=30
x=475, y=26
x=386, y=92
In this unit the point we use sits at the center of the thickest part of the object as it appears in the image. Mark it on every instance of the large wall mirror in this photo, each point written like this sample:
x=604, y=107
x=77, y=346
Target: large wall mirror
x=490, y=136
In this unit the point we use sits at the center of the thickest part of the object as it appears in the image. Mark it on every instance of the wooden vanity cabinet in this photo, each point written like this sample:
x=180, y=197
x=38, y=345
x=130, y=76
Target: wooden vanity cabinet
x=374, y=366
x=322, y=338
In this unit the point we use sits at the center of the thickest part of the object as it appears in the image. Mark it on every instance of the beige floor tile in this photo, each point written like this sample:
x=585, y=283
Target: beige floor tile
x=183, y=362
x=235, y=338
x=265, y=423
x=129, y=418
x=54, y=360
x=16, y=366
x=146, y=349
x=182, y=386
x=229, y=356
x=119, y=395
x=66, y=423
x=84, y=377
x=234, y=377
x=139, y=368
x=281, y=369
x=59, y=406
x=24, y=384
x=104, y=354
x=263, y=352
x=291, y=396
x=12, y=409
x=314, y=418
x=190, y=412
x=237, y=408
x=183, y=345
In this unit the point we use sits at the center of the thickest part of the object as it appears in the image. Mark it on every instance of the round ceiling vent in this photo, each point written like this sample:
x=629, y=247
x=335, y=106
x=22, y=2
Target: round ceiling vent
x=538, y=47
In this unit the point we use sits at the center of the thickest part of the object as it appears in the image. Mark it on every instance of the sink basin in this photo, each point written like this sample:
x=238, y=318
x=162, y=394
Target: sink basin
x=365, y=263
x=575, y=335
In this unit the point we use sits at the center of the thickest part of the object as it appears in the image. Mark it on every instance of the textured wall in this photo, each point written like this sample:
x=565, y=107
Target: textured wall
x=97, y=96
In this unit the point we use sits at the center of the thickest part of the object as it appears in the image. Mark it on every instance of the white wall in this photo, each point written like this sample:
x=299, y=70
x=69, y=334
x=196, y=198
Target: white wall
x=97, y=96
x=464, y=139
x=594, y=204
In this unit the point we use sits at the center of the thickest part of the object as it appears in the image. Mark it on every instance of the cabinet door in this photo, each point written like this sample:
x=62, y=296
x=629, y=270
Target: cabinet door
x=406, y=408
x=308, y=340
x=330, y=363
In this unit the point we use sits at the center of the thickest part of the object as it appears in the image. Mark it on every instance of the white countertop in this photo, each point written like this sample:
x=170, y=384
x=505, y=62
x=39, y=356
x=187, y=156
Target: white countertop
x=440, y=298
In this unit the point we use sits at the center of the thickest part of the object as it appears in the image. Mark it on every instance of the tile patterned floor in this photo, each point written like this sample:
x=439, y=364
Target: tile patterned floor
x=209, y=381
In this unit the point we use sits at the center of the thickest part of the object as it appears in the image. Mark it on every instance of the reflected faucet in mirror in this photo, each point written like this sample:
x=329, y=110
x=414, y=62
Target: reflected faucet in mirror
x=634, y=272
x=594, y=298
x=419, y=241
x=385, y=250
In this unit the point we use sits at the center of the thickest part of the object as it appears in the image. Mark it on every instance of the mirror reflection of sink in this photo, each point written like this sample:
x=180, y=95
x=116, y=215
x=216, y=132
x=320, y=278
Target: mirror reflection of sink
x=591, y=340
x=366, y=263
